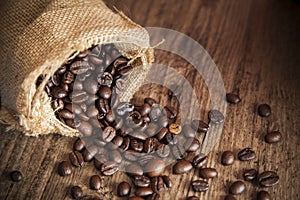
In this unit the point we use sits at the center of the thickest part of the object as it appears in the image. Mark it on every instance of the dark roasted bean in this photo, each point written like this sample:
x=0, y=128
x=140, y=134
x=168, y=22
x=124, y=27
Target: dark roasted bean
x=105, y=79
x=139, y=135
x=232, y=98
x=149, y=101
x=264, y=110
x=133, y=170
x=199, y=185
x=105, y=92
x=16, y=176
x=103, y=105
x=89, y=153
x=154, y=196
x=161, y=134
x=150, y=145
x=76, y=158
x=178, y=151
x=143, y=192
x=78, y=97
x=155, y=167
x=79, y=145
x=163, y=121
x=145, y=109
x=85, y=128
x=192, y=144
x=141, y=181
x=134, y=119
x=208, y=173
x=246, y=154
x=66, y=114
x=125, y=144
x=157, y=184
x=77, y=85
x=108, y=134
x=115, y=156
x=199, y=160
x=95, y=182
x=76, y=192
x=109, y=168
x=227, y=158
x=57, y=104
x=171, y=139
x=136, y=145
x=167, y=181
x=263, y=195
x=64, y=168
x=99, y=160
x=237, y=187
x=171, y=112
x=124, y=189
x=215, y=117
x=68, y=77
x=273, y=137
x=155, y=112
x=79, y=67
x=268, y=178
x=61, y=70
x=200, y=126
x=90, y=86
x=163, y=150
x=250, y=174
x=58, y=92
x=182, y=167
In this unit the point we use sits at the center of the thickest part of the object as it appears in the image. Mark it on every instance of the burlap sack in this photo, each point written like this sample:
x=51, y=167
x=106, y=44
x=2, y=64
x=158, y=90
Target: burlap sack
x=38, y=36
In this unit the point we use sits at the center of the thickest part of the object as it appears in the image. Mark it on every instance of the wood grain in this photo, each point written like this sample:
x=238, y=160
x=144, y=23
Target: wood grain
x=254, y=43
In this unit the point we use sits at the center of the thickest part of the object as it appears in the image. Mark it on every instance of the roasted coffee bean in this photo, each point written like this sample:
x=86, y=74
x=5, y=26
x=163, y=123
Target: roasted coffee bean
x=200, y=126
x=154, y=196
x=64, y=168
x=71, y=123
x=134, y=119
x=124, y=108
x=264, y=110
x=107, y=62
x=79, y=67
x=55, y=79
x=229, y=197
x=175, y=128
x=143, y=192
x=108, y=134
x=16, y=176
x=131, y=155
x=178, y=151
x=215, y=117
x=133, y=169
x=155, y=112
x=76, y=192
x=118, y=140
x=273, y=137
x=61, y=70
x=66, y=114
x=120, y=61
x=136, y=145
x=96, y=60
x=115, y=156
x=167, y=181
x=199, y=185
x=246, y=154
x=237, y=187
x=124, y=189
x=232, y=98
x=109, y=168
x=144, y=159
x=105, y=79
x=182, y=167
x=150, y=145
x=163, y=150
x=84, y=54
x=65, y=87
x=199, y=160
x=79, y=145
x=250, y=174
x=157, y=184
x=89, y=153
x=123, y=69
x=77, y=85
x=139, y=135
x=78, y=97
x=171, y=112
x=192, y=198
x=263, y=195
x=95, y=182
x=85, y=128
x=110, y=117
x=140, y=181
x=76, y=158
x=76, y=109
x=99, y=160
x=68, y=77
x=161, y=134
x=152, y=129
x=105, y=92
x=58, y=92
x=145, y=109
x=57, y=104
x=90, y=86
x=268, y=178
x=135, y=198
x=208, y=173
x=227, y=158
x=103, y=105
x=192, y=144
x=92, y=111
x=171, y=139
x=149, y=101
x=188, y=131
x=125, y=144
x=155, y=167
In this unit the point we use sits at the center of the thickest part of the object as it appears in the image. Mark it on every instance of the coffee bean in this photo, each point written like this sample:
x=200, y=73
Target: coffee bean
x=57, y=104
x=96, y=60
x=155, y=167
x=237, y=187
x=161, y=134
x=105, y=92
x=157, y=184
x=200, y=126
x=264, y=110
x=61, y=70
x=85, y=128
x=215, y=117
x=145, y=109
x=139, y=135
x=68, y=77
x=89, y=153
x=156, y=112
x=163, y=150
x=171, y=112
x=64, y=168
x=125, y=144
x=108, y=134
x=199, y=185
x=78, y=97
x=16, y=176
x=109, y=168
x=133, y=170
x=118, y=140
x=124, y=189
x=58, y=92
x=175, y=128
x=199, y=160
x=207, y=173
x=135, y=198
x=229, y=197
x=268, y=178
x=79, y=67
x=95, y=182
x=55, y=79
x=167, y=181
x=92, y=111
x=192, y=144
x=76, y=192
x=149, y=101
x=105, y=79
x=154, y=196
x=134, y=119
x=140, y=181
x=232, y=98
x=79, y=145
x=263, y=195
x=250, y=174
x=192, y=198
x=115, y=156
x=143, y=192
x=66, y=114
x=124, y=108
x=103, y=105
x=182, y=167
x=90, y=86
x=246, y=154
x=273, y=137
x=123, y=69
x=99, y=160
x=76, y=158
x=136, y=145
x=150, y=145
x=227, y=158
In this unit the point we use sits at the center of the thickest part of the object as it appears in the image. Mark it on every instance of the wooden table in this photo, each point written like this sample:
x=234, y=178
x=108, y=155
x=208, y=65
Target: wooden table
x=254, y=43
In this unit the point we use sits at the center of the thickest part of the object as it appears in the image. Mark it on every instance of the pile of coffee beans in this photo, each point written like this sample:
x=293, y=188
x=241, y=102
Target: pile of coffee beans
x=138, y=139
